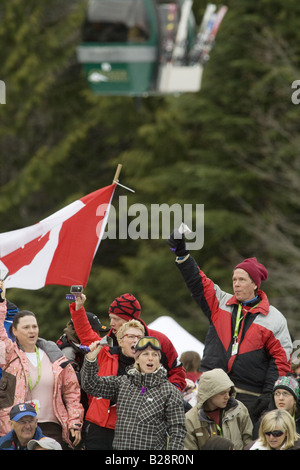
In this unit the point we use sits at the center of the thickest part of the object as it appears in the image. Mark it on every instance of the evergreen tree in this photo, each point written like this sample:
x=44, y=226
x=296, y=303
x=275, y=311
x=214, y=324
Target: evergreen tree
x=232, y=147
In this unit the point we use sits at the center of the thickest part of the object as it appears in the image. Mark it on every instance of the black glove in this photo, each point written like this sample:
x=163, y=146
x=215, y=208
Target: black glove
x=262, y=404
x=177, y=243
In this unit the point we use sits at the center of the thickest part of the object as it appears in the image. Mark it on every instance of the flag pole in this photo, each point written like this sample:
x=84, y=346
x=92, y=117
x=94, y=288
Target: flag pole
x=116, y=178
x=117, y=174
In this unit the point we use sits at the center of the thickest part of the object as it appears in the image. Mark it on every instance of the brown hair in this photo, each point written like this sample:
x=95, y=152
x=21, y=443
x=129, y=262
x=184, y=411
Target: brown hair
x=16, y=318
x=191, y=361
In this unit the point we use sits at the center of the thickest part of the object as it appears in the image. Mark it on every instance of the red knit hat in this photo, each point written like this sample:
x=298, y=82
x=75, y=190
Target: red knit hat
x=256, y=270
x=126, y=306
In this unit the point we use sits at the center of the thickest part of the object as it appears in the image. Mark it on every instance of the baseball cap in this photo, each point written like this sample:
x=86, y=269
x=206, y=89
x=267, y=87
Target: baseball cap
x=96, y=323
x=45, y=442
x=22, y=409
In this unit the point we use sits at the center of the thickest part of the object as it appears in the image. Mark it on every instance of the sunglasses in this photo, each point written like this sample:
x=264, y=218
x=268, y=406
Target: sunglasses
x=274, y=433
x=146, y=341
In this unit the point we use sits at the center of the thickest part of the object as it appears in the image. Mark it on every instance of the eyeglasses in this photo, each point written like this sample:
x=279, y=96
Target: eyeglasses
x=146, y=341
x=275, y=433
x=284, y=394
x=132, y=336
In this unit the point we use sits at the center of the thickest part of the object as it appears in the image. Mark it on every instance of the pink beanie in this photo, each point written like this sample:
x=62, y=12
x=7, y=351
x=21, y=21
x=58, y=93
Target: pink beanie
x=256, y=270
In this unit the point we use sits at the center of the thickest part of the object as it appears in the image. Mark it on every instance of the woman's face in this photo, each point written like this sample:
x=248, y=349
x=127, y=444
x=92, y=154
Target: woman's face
x=26, y=332
x=129, y=340
x=148, y=361
x=275, y=442
x=284, y=400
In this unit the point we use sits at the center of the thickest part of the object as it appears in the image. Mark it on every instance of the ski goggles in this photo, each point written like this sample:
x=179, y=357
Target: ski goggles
x=146, y=341
x=275, y=433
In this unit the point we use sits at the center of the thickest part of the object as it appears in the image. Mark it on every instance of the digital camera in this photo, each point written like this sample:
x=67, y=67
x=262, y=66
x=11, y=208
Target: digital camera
x=75, y=292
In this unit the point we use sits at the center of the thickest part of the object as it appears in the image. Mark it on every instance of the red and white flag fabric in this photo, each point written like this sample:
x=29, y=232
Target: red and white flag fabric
x=59, y=249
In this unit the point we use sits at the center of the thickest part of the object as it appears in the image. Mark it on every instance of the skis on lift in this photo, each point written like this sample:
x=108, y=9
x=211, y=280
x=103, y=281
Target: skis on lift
x=180, y=47
x=207, y=34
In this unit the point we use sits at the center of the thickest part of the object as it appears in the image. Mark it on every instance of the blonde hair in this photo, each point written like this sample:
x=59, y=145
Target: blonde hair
x=129, y=324
x=279, y=420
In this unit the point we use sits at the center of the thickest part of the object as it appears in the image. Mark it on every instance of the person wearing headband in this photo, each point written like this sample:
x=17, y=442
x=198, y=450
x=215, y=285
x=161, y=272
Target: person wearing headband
x=247, y=337
x=150, y=410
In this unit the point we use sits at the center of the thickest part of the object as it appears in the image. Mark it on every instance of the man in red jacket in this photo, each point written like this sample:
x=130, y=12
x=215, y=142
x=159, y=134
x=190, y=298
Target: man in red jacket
x=123, y=309
x=247, y=337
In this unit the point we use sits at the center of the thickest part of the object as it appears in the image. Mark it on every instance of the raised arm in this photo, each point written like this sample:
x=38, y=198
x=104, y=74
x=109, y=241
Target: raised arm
x=82, y=326
x=6, y=344
x=105, y=387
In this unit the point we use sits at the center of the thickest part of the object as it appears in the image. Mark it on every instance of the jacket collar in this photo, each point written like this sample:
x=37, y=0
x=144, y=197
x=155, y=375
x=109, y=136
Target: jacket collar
x=147, y=380
x=231, y=410
x=262, y=307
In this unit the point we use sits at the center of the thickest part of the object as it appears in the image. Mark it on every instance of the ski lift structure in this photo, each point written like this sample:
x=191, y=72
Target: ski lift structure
x=146, y=47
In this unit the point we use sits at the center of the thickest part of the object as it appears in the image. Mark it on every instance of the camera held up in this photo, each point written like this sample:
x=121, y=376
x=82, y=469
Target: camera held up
x=75, y=291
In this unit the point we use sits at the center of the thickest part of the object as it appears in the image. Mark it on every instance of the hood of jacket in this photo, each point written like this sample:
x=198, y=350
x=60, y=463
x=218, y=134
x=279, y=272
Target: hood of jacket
x=213, y=382
x=51, y=349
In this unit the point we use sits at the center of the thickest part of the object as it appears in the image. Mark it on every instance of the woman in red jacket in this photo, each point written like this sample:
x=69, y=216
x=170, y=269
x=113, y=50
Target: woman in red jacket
x=101, y=414
x=124, y=308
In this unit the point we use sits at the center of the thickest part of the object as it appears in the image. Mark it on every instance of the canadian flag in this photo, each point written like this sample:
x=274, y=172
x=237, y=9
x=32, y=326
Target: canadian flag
x=59, y=249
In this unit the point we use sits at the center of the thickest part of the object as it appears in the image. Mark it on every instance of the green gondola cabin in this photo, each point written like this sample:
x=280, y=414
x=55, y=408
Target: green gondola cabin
x=140, y=47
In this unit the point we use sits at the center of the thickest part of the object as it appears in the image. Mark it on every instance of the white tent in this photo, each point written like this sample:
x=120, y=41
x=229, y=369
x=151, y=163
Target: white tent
x=182, y=340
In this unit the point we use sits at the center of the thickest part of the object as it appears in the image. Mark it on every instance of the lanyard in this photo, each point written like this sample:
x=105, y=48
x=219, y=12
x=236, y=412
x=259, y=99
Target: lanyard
x=239, y=318
x=39, y=371
x=219, y=430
